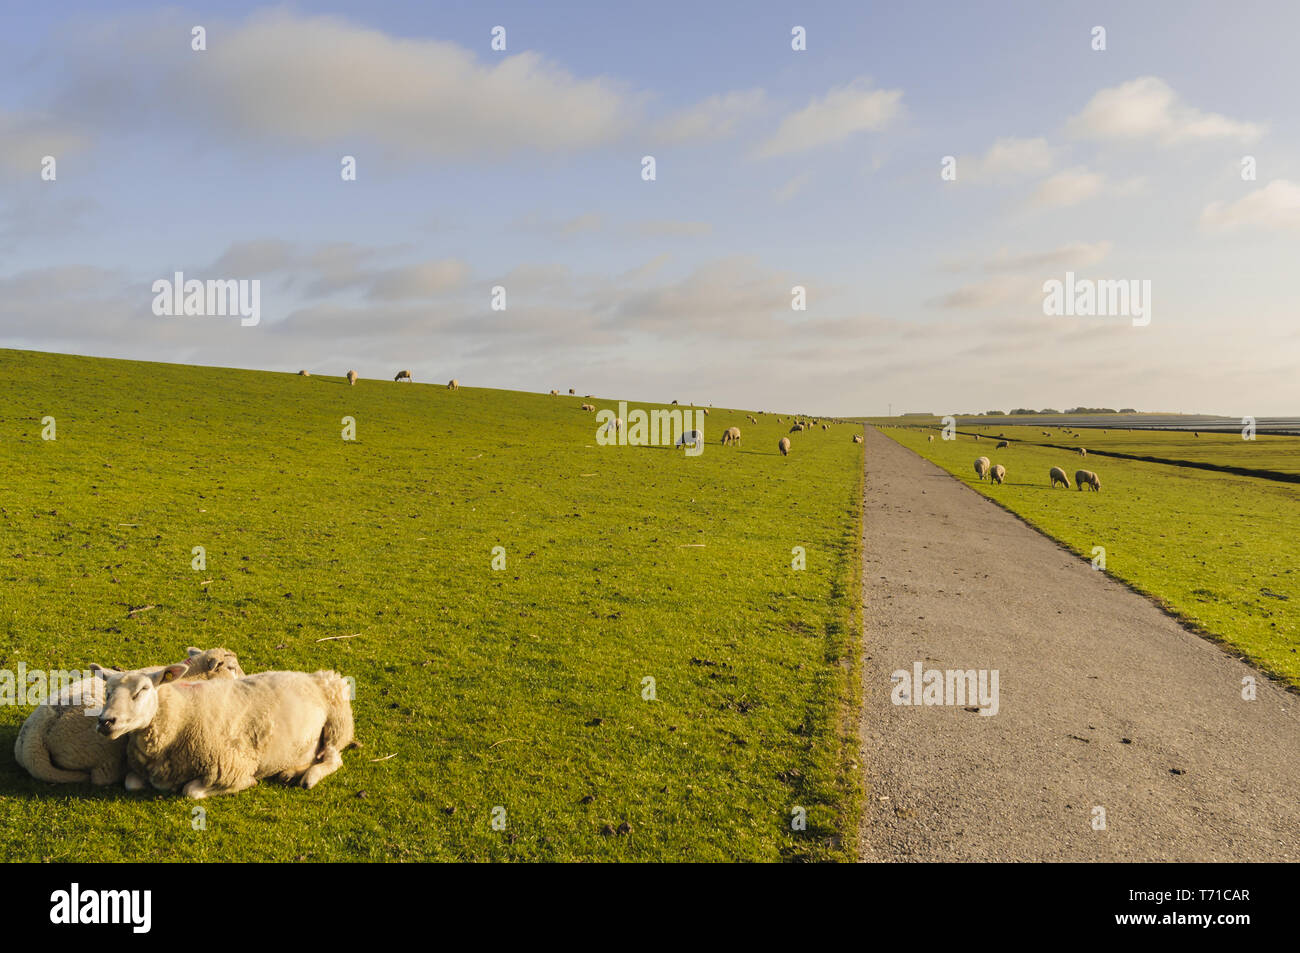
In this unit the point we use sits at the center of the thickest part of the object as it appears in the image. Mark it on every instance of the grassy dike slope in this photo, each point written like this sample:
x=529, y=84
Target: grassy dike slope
x=520, y=689
x=1216, y=549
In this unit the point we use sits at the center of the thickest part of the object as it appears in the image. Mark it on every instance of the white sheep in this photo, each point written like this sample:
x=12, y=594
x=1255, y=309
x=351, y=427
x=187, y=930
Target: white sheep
x=1002, y=444
x=58, y=741
x=732, y=435
x=1058, y=476
x=613, y=426
x=1083, y=452
x=304, y=373
x=222, y=737
x=352, y=378
x=982, y=467
x=930, y=438
x=785, y=446
x=404, y=376
x=857, y=438
x=998, y=473
x=691, y=438
x=453, y=384
x=1082, y=477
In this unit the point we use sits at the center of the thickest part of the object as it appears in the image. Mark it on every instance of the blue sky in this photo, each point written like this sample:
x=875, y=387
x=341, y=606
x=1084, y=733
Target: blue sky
x=774, y=168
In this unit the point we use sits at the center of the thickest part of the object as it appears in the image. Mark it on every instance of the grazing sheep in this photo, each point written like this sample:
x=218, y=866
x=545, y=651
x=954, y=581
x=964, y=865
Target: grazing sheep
x=930, y=438
x=352, y=378
x=982, y=467
x=614, y=426
x=588, y=406
x=1058, y=476
x=304, y=373
x=222, y=737
x=998, y=473
x=826, y=426
x=691, y=438
x=1002, y=444
x=706, y=411
x=1083, y=452
x=1195, y=434
x=555, y=393
x=674, y=402
x=977, y=436
x=1086, y=476
x=857, y=438
x=453, y=384
x=58, y=741
x=785, y=446
x=572, y=391
x=404, y=376
x=731, y=436
x=796, y=428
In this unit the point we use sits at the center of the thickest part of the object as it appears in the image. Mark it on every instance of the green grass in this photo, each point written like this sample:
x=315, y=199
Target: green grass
x=519, y=688
x=1216, y=549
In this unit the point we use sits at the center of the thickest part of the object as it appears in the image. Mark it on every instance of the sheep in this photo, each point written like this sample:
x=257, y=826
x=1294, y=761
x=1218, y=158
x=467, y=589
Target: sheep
x=1001, y=444
x=1083, y=452
x=998, y=473
x=706, y=411
x=404, y=376
x=930, y=438
x=977, y=436
x=1058, y=476
x=453, y=384
x=554, y=392
x=304, y=373
x=731, y=436
x=572, y=391
x=826, y=426
x=352, y=378
x=857, y=438
x=691, y=438
x=796, y=428
x=982, y=467
x=58, y=741
x=590, y=407
x=674, y=402
x=222, y=737
x=614, y=426
x=785, y=446
x=1086, y=476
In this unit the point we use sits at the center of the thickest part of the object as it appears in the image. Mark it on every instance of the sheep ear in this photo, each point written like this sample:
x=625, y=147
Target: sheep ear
x=99, y=671
x=173, y=672
x=191, y=651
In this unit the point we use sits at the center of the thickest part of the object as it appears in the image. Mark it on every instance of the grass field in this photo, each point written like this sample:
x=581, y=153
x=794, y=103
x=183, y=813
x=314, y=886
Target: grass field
x=519, y=688
x=1217, y=549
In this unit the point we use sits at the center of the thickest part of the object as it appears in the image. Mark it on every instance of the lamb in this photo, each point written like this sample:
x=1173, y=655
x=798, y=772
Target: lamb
x=785, y=446
x=1001, y=444
x=982, y=467
x=222, y=737
x=1058, y=476
x=58, y=741
x=352, y=378
x=1086, y=476
x=404, y=376
x=453, y=384
x=731, y=436
x=691, y=438
x=998, y=473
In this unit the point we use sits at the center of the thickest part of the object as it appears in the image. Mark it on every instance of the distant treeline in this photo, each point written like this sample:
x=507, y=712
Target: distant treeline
x=1030, y=412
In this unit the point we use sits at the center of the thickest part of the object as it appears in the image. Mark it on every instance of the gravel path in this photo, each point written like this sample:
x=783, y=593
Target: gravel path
x=1104, y=701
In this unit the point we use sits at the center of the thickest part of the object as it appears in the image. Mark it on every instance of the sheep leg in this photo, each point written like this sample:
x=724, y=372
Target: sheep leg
x=134, y=782
x=197, y=789
x=327, y=762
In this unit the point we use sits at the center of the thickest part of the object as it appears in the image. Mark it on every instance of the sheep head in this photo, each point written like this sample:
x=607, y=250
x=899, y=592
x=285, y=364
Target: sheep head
x=132, y=700
x=213, y=663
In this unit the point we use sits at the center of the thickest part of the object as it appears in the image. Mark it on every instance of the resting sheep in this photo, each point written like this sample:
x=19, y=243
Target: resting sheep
x=1082, y=477
x=731, y=436
x=1002, y=444
x=785, y=446
x=352, y=378
x=58, y=741
x=998, y=473
x=404, y=376
x=588, y=406
x=1058, y=476
x=222, y=737
x=982, y=467
x=857, y=438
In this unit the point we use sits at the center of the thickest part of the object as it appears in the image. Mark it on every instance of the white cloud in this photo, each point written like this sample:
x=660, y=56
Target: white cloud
x=1007, y=158
x=839, y=114
x=1069, y=187
x=711, y=118
x=26, y=139
x=1073, y=256
x=1276, y=205
x=1148, y=108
